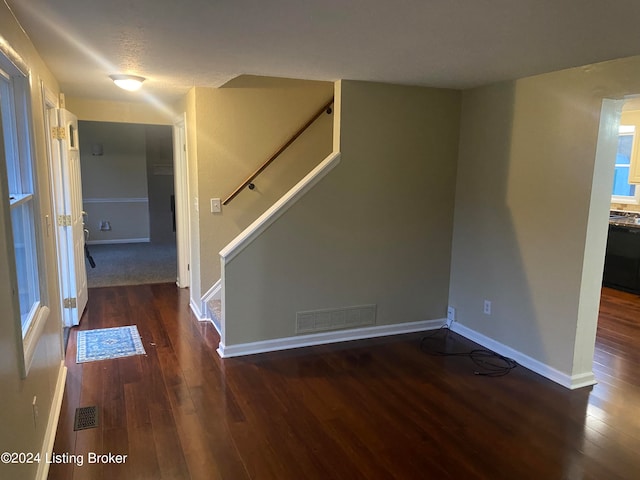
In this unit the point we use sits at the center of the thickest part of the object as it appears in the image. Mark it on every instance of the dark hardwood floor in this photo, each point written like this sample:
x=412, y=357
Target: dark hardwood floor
x=375, y=409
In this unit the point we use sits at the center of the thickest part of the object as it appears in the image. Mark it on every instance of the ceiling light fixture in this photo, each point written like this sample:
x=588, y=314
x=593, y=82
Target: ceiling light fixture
x=127, y=82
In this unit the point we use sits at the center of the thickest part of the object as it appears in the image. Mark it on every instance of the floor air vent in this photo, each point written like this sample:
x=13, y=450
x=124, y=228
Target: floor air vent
x=335, y=319
x=86, y=417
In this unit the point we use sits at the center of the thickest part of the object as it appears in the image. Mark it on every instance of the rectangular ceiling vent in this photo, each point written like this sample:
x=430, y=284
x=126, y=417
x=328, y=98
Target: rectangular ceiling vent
x=314, y=321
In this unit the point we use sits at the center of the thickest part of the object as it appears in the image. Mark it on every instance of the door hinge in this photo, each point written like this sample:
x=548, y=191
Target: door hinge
x=64, y=220
x=58, y=133
x=69, y=303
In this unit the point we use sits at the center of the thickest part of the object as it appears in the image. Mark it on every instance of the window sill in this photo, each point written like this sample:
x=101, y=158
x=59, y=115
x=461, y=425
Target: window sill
x=625, y=200
x=31, y=339
x=18, y=199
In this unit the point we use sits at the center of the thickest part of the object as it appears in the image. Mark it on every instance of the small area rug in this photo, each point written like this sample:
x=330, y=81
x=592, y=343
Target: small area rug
x=106, y=343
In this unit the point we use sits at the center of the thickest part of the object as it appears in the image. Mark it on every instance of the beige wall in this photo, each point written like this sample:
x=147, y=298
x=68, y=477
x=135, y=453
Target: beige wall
x=530, y=217
x=146, y=112
x=238, y=128
x=18, y=433
x=376, y=230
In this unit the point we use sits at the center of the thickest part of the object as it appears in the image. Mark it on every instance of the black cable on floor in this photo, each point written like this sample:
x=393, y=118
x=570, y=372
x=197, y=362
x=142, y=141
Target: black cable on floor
x=490, y=364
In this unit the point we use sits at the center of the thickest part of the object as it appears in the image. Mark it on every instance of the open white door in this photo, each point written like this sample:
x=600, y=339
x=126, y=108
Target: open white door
x=69, y=216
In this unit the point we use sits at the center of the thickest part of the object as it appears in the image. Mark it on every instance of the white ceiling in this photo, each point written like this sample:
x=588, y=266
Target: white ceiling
x=444, y=43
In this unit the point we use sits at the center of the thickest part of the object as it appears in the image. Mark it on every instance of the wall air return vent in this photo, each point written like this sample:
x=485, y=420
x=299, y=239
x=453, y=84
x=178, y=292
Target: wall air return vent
x=324, y=320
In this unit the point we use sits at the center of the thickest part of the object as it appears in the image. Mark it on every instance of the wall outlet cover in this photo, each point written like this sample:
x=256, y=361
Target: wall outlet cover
x=451, y=315
x=487, y=307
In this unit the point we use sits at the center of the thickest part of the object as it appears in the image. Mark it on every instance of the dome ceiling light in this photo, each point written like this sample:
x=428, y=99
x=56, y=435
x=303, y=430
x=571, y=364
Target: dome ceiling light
x=128, y=82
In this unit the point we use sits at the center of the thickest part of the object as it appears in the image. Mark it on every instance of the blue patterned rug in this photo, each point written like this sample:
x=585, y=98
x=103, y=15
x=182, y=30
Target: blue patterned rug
x=105, y=343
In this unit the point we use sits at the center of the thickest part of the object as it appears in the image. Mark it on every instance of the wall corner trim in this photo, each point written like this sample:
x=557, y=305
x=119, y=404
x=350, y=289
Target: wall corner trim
x=52, y=423
x=265, y=220
x=276, y=344
x=571, y=382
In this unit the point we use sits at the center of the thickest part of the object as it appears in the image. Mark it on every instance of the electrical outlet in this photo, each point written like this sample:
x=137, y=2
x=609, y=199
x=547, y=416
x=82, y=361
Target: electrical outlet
x=487, y=307
x=451, y=315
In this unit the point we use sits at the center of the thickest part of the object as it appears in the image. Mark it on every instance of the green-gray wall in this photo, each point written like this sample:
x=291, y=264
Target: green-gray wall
x=376, y=230
x=531, y=211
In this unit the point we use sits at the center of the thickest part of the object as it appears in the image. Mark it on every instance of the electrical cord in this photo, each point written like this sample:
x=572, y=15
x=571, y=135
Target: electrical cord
x=490, y=364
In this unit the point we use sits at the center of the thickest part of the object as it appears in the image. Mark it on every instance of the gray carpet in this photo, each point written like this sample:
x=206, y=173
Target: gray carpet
x=131, y=264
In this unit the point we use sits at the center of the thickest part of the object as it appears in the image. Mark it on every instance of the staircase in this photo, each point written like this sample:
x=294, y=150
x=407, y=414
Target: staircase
x=214, y=312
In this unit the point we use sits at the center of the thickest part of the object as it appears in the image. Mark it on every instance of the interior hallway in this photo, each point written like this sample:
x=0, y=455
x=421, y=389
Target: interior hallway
x=367, y=409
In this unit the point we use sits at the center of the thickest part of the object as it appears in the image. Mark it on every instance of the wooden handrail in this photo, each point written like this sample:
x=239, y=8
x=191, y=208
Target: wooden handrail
x=275, y=155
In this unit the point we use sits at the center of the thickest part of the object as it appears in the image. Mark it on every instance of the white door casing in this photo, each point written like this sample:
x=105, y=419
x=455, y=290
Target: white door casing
x=181, y=187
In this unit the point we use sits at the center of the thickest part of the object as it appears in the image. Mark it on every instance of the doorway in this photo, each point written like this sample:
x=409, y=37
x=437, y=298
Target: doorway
x=129, y=198
x=611, y=182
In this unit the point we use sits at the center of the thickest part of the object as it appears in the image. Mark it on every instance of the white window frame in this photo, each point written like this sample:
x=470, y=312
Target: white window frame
x=18, y=146
x=627, y=199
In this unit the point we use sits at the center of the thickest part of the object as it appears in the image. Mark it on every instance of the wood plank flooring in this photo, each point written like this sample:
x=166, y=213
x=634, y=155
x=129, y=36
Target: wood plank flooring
x=374, y=409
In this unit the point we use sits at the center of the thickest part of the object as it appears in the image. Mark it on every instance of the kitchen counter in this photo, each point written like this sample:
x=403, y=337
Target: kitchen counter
x=624, y=219
x=622, y=258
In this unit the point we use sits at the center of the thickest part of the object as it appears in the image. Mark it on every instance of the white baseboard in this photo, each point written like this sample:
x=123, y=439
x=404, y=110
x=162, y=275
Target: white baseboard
x=582, y=380
x=326, y=337
x=202, y=316
x=52, y=423
x=195, y=308
x=569, y=381
x=119, y=240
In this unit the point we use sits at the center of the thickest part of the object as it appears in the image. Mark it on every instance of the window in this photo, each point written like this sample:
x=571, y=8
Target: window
x=623, y=191
x=15, y=142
